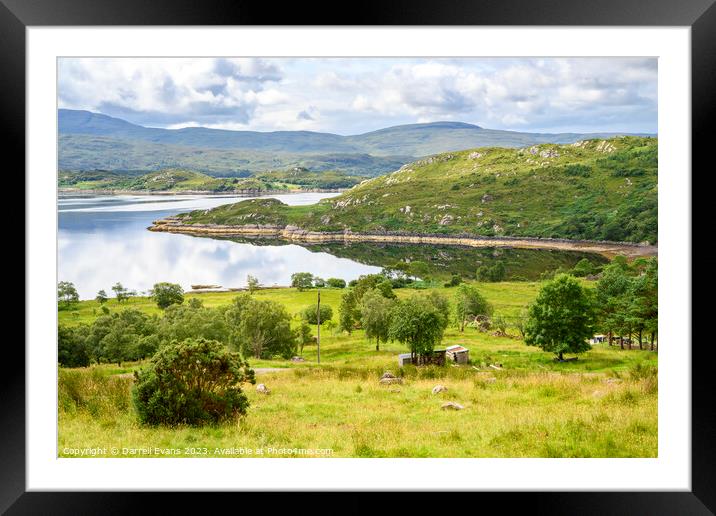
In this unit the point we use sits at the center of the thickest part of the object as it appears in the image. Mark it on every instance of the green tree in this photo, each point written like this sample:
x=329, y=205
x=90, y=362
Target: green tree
x=264, y=330
x=521, y=321
x=644, y=305
x=192, y=382
x=72, y=347
x=116, y=337
x=253, y=283
x=348, y=312
x=375, y=312
x=304, y=335
x=417, y=323
x=101, y=297
x=373, y=281
x=310, y=314
x=470, y=303
x=120, y=292
x=166, y=294
x=302, y=280
x=336, y=282
x=67, y=293
x=612, y=298
x=500, y=323
x=442, y=305
x=193, y=320
x=561, y=319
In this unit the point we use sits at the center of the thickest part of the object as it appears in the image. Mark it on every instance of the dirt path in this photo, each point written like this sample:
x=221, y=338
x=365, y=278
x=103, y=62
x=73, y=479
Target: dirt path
x=263, y=370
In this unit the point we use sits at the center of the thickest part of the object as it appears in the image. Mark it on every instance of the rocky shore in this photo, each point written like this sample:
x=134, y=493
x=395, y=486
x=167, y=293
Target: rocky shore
x=293, y=233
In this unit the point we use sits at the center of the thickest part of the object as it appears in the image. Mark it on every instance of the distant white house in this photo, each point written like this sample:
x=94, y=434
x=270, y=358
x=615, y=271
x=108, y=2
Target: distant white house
x=598, y=339
x=457, y=354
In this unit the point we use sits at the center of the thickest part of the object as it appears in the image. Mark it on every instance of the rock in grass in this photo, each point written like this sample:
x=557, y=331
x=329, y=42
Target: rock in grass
x=387, y=374
x=261, y=388
x=388, y=381
x=451, y=405
x=439, y=388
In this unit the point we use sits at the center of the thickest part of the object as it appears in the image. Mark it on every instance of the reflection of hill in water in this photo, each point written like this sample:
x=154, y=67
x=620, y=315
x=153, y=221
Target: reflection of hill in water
x=445, y=260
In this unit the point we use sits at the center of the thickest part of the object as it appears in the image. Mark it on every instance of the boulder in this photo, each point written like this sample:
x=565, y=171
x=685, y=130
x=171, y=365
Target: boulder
x=387, y=374
x=446, y=220
x=298, y=359
x=262, y=389
x=451, y=405
x=389, y=381
x=439, y=388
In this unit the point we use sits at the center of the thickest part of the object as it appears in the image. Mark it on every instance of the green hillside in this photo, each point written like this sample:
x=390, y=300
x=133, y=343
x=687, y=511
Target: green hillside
x=592, y=190
x=90, y=141
x=91, y=152
x=172, y=180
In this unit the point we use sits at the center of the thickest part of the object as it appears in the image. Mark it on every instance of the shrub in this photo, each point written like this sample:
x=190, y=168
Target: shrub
x=577, y=170
x=583, y=268
x=455, y=280
x=310, y=314
x=192, y=382
x=494, y=272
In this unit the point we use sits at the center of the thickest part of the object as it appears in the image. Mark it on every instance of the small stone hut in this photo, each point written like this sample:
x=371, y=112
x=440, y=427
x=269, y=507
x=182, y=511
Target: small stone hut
x=457, y=354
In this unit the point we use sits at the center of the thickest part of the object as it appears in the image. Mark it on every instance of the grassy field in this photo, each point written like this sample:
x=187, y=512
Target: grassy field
x=602, y=405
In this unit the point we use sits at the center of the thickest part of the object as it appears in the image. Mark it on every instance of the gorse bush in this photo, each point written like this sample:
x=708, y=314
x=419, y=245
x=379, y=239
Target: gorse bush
x=192, y=382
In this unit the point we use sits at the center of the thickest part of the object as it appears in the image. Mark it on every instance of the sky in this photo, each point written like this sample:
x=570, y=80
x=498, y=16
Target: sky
x=356, y=95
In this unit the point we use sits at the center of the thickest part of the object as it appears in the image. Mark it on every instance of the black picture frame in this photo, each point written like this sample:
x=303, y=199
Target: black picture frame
x=700, y=15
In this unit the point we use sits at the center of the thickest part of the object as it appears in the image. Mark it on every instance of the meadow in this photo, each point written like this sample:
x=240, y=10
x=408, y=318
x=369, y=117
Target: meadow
x=602, y=405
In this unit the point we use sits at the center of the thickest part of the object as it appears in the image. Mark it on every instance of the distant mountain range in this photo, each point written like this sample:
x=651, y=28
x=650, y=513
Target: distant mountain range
x=89, y=141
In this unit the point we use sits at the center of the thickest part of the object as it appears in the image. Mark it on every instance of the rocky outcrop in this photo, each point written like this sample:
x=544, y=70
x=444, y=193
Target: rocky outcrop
x=294, y=233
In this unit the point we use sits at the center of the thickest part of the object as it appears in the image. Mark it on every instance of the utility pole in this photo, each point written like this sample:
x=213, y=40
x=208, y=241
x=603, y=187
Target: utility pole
x=318, y=318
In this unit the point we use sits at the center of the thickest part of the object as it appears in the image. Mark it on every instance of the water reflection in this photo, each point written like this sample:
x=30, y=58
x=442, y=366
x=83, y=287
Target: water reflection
x=102, y=240
x=444, y=260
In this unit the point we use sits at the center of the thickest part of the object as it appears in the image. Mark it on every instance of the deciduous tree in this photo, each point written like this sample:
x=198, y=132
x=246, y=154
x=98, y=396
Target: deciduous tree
x=561, y=319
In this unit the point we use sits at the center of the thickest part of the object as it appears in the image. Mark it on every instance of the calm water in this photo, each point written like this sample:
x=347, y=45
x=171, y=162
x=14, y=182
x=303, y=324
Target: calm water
x=104, y=239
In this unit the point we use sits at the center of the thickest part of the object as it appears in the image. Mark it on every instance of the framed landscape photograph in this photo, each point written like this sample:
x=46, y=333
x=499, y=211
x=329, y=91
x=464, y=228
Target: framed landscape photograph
x=361, y=258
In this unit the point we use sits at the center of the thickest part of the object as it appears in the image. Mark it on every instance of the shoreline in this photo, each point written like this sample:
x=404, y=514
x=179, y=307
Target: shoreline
x=74, y=192
x=296, y=234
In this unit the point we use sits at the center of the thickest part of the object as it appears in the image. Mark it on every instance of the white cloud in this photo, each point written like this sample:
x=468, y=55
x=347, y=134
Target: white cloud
x=350, y=96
